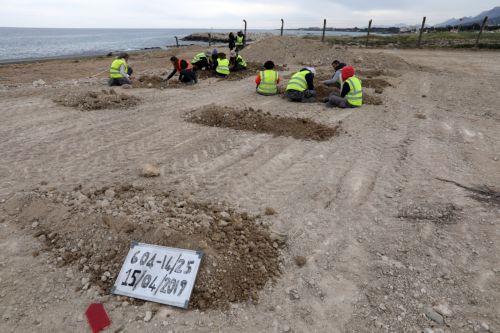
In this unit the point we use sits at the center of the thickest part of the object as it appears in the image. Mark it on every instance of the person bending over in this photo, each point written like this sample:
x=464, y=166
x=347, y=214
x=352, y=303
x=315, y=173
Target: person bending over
x=187, y=75
x=300, y=88
x=177, y=66
x=237, y=63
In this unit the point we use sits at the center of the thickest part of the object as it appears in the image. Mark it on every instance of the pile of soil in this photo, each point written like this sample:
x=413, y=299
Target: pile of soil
x=156, y=81
x=92, y=229
x=436, y=212
x=376, y=83
x=97, y=100
x=310, y=52
x=262, y=122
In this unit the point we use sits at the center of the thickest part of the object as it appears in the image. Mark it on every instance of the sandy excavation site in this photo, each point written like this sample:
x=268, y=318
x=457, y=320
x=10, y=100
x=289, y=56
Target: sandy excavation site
x=378, y=219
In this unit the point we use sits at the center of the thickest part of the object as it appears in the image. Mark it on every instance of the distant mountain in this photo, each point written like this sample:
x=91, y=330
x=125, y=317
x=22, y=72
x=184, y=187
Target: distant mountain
x=493, y=19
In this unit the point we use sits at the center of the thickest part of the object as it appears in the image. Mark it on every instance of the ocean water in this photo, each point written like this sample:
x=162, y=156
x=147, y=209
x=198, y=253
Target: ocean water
x=39, y=43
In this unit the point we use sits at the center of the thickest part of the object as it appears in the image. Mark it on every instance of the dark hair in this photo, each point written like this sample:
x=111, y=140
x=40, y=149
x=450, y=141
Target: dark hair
x=184, y=64
x=335, y=62
x=123, y=55
x=222, y=55
x=173, y=58
x=269, y=64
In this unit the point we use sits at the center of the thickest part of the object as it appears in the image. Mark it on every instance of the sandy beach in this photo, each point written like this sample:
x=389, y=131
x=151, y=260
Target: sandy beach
x=377, y=219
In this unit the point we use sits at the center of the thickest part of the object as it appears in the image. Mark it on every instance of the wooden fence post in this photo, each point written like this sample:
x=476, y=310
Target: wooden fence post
x=481, y=31
x=176, y=41
x=421, y=31
x=324, y=29
x=368, y=32
x=282, y=24
x=245, y=33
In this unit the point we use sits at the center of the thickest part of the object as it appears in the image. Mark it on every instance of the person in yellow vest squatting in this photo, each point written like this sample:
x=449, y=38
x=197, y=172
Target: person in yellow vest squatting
x=222, y=69
x=240, y=41
x=120, y=71
x=351, y=91
x=267, y=80
x=237, y=62
x=200, y=61
x=300, y=88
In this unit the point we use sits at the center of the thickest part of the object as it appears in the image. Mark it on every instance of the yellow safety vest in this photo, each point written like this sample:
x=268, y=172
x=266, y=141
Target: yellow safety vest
x=114, y=70
x=298, y=81
x=241, y=61
x=355, y=95
x=198, y=57
x=268, y=82
x=222, y=66
x=239, y=40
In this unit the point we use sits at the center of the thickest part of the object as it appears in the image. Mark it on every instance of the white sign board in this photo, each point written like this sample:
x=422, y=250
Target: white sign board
x=158, y=274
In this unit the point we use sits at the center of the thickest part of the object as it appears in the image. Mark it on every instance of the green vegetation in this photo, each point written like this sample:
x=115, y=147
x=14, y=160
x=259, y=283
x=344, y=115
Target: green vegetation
x=467, y=39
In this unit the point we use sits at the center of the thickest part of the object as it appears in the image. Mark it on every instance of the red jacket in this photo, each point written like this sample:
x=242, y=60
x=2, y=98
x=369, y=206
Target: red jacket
x=178, y=65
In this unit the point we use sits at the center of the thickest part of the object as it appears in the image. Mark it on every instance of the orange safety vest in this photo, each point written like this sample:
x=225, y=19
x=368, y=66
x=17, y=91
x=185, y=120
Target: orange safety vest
x=178, y=66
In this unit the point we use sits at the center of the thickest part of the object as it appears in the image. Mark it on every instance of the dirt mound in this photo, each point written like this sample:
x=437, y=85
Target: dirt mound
x=156, y=81
x=97, y=100
x=262, y=122
x=435, y=212
x=376, y=83
x=311, y=52
x=369, y=99
x=92, y=229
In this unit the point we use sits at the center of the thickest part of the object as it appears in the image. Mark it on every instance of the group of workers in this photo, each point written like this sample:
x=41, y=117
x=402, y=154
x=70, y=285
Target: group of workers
x=300, y=87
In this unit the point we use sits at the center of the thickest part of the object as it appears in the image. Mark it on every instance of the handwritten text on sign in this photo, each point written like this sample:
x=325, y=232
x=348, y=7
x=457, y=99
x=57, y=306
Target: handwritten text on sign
x=159, y=274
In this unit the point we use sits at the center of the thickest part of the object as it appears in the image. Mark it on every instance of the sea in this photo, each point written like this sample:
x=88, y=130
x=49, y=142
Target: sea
x=19, y=44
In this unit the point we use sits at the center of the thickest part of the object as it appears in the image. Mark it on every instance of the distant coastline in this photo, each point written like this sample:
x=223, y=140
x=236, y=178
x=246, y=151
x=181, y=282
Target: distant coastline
x=33, y=44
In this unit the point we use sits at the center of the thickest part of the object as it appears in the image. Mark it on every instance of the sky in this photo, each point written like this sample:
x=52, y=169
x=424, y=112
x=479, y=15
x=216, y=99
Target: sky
x=228, y=14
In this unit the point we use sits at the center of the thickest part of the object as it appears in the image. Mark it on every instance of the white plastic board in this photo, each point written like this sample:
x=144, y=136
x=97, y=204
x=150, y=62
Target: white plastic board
x=158, y=274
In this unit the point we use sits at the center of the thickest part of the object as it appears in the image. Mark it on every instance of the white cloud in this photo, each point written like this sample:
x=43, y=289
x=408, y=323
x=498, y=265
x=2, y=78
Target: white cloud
x=228, y=13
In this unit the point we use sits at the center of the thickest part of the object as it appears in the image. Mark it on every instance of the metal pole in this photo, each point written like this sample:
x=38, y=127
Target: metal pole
x=176, y=41
x=324, y=29
x=481, y=31
x=282, y=24
x=421, y=31
x=209, y=39
x=368, y=33
x=245, y=33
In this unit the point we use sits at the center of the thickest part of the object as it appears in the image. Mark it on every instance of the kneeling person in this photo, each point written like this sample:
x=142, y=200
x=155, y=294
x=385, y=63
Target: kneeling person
x=351, y=92
x=267, y=80
x=187, y=75
x=200, y=61
x=300, y=88
x=222, y=68
x=238, y=63
x=120, y=71
x=177, y=66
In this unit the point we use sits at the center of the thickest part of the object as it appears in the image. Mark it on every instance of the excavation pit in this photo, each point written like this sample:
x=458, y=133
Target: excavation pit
x=156, y=82
x=262, y=122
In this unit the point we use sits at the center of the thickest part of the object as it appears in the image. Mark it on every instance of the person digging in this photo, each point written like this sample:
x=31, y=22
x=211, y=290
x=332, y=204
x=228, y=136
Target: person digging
x=351, y=91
